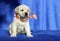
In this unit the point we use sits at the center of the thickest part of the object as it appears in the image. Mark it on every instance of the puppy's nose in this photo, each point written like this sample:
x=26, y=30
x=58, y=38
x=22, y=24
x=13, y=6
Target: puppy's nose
x=26, y=14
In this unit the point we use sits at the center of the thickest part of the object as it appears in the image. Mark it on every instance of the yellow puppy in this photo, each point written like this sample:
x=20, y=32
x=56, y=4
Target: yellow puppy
x=20, y=23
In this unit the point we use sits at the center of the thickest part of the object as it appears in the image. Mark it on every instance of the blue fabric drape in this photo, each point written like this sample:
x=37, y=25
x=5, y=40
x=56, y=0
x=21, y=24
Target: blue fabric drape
x=47, y=11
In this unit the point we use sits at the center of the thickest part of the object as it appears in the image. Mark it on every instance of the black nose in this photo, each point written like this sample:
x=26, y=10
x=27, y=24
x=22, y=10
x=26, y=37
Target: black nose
x=26, y=14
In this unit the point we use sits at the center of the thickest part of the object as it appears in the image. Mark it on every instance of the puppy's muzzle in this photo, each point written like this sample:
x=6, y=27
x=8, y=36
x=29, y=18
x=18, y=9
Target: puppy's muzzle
x=25, y=16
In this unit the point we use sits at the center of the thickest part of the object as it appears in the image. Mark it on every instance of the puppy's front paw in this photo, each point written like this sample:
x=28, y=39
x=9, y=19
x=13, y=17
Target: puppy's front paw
x=12, y=35
x=29, y=35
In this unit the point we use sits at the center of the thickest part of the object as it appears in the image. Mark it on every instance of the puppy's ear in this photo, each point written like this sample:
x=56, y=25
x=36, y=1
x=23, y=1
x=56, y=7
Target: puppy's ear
x=29, y=10
x=17, y=9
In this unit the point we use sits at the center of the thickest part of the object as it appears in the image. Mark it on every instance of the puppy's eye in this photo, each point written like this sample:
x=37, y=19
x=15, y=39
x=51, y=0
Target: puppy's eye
x=22, y=10
x=28, y=10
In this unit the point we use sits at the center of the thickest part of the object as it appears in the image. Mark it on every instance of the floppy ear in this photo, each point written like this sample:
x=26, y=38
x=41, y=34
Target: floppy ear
x=16, y=15
x=29, y=10
x=17, y=9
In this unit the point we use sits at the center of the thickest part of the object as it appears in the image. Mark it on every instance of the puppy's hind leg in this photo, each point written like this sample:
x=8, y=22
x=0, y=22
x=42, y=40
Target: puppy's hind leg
x=12, y=30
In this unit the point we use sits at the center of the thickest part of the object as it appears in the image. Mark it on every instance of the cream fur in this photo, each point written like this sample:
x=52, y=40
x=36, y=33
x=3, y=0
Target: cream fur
x=17, y=23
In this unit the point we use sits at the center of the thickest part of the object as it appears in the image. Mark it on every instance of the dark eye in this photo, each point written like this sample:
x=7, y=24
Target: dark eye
x=28, y=10
x=22, y=10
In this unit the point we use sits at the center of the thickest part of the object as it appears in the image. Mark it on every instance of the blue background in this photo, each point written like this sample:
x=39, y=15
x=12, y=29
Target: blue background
x=47, y=11
x=45, y=28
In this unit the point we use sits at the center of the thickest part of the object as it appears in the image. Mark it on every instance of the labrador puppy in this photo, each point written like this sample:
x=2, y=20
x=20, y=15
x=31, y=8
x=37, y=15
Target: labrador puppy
x=20, y=23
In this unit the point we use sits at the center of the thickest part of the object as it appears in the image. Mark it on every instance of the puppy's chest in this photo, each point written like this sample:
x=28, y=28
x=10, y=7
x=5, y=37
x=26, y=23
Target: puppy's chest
x=20, y=25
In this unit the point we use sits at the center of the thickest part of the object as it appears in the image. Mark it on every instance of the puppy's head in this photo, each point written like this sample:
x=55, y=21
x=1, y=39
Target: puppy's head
x=23, y=11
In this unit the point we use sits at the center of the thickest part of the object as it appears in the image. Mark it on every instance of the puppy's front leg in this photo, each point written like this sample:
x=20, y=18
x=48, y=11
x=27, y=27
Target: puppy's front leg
x=28, y=32
x=13, y=30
